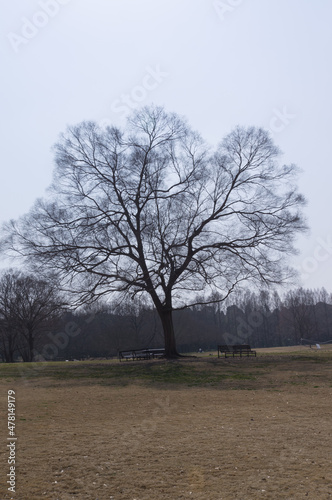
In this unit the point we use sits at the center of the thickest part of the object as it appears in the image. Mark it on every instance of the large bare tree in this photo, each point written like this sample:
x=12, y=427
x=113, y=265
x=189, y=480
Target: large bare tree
x=152, y=209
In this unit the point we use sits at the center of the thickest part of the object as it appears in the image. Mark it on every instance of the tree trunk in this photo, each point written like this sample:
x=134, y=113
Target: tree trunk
x=169, y=336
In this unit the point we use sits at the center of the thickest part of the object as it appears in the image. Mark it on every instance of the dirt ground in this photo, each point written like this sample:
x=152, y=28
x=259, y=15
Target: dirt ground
x=265, y=438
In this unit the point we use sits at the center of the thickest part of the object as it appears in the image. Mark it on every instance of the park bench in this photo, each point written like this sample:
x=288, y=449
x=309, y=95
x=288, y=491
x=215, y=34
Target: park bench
x=156, y=353
x=125, y=355
x=235, y=350
x=149, y=353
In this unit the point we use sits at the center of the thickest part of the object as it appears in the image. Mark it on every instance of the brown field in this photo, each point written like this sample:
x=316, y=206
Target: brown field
x=204, y=428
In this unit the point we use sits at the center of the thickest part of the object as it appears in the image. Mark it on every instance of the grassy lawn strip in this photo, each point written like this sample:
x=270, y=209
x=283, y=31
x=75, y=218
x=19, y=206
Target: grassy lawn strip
x=234, y=373
x=179, y=372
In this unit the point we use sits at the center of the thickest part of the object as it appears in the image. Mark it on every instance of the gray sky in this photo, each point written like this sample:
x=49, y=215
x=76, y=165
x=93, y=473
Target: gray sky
x=219, y=63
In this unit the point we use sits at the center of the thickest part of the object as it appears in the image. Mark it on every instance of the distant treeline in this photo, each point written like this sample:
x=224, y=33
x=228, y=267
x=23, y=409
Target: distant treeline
x=261, y=319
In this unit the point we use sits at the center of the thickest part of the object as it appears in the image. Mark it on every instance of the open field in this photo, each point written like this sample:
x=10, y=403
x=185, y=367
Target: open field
x=257, y=428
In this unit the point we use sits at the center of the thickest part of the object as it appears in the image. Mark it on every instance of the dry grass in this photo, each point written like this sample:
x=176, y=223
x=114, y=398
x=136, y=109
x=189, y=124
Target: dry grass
x=192, y=429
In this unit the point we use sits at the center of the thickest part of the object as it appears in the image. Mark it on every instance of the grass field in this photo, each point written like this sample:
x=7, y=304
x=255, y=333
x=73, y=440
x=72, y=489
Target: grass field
x=198, y=428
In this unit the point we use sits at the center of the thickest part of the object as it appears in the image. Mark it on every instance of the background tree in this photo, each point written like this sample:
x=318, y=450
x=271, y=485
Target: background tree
x=9, y=332
x=28, y=307
x=153, y=210
x=301, y=314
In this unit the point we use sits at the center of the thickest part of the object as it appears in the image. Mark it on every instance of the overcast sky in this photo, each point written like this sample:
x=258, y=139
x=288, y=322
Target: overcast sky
x=219, y=63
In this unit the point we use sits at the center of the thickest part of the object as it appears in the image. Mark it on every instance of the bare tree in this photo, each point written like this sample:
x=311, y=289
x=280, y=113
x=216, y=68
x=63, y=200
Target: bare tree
x=9, y=326
x=153, y=210
x=301, y=307
x=9, y=332
x=28, y=306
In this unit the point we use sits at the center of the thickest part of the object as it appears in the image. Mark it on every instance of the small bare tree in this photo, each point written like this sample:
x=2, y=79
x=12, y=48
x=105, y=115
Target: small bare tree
x=9, y=333
x=9, y=326
x=28, y=306
x=301, y=314
x=152, y=210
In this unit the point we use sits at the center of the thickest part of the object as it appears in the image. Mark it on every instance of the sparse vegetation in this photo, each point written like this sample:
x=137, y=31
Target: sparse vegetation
x=212, y=425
